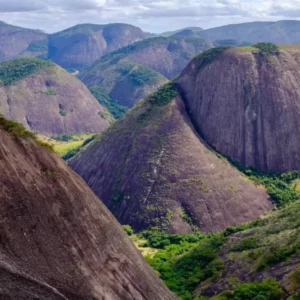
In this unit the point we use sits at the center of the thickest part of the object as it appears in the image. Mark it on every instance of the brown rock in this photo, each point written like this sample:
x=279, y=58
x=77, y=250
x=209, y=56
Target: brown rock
x=247, y=106
x=52, y=102
x=57, y=240
x=152, y=169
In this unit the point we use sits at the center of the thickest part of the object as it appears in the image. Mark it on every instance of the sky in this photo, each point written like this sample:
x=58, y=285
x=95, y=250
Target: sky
x=150, y=15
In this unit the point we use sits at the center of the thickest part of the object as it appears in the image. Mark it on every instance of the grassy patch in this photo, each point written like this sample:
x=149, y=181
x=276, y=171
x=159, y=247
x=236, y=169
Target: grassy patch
x=164, y=95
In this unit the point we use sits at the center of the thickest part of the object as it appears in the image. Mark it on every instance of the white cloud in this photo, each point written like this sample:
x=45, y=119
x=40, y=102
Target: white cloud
x=154, y=15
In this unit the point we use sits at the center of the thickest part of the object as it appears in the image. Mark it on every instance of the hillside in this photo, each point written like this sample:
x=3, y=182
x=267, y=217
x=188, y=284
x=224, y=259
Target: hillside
x=152, y=169
x=80, y=46
x=58, y=241
x=16, y=41
x=184, y=32
x=47, y=99
x=133, y=72
x=245, y=103
x=281, y=32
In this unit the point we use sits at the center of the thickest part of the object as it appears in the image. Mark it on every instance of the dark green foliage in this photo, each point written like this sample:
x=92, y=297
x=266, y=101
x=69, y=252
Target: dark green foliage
x=278, y=185
x=63, y=138
x=11, y=71
x=164, y=95
x=267, y=48
x=231, y=230
x=87, y=141
x=160, y=239
x=71, y=153
x=207, y=57
x=63, y=112
x=185, y=262
x=245, y=244
x=296, y=297
x=277, y=254
x=128, y=229
x=267, y=290
x=38, y=46
x=116, y=109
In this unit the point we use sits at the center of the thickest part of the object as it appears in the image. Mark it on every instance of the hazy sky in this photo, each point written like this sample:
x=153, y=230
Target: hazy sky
x=152, y=16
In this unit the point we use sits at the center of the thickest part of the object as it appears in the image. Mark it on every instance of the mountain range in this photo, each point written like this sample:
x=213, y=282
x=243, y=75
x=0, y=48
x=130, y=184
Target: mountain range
x=185, y=146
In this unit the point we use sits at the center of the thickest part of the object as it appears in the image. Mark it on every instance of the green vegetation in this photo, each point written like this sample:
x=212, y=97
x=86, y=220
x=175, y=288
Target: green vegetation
x=279, y=185
x=207, y=57
x=245, y=244
x=267, y=290
x=68, y=145
x=38, y=46
x=18, y=130
x=267, y=48
x=184, y=260
x=128, y=229
x=164, y=95
x=63, y=112
x=138, y=74
x=116, y=109
x=11, y=71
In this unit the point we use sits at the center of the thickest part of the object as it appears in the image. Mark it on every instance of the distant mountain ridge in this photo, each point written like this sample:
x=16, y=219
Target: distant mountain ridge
x=133, y=72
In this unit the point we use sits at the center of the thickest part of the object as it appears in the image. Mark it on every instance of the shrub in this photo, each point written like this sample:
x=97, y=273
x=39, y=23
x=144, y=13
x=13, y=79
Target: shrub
x=164, y=95
x=267, y=290
x=267, y=48
x=63, y=138
x=210, y=55
x=245, y=244
x=128, y=229
x=275, y=255
x=63, y=112
x=183, y=266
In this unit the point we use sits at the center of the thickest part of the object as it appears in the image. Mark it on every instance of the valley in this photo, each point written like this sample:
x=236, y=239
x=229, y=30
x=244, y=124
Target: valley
x=142, y=166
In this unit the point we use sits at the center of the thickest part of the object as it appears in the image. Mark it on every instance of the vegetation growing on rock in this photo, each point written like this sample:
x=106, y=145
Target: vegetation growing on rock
x=11, y=71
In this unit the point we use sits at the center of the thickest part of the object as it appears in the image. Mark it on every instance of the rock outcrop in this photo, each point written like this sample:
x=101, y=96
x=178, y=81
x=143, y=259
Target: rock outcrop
x=58, y=241
x=80, y=46
x=17, y=41
x=246, y=105
x=48, y=100
x=152, y=169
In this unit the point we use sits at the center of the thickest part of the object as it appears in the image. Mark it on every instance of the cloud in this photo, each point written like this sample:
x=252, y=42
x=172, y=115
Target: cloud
x=154, y=15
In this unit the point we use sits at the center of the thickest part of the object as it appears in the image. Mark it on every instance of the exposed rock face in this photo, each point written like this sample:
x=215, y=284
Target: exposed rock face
x=247, y=106
x=135, y=71
x=82, y=45
x=152, y=169
x=52, y=102
x=17, y=41
x=58, y=241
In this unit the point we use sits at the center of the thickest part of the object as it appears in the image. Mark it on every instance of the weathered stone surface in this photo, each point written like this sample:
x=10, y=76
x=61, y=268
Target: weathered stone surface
x=247, y=106
x=52, y=102
x=80, y=46
x=152, y=169
x=58, y=241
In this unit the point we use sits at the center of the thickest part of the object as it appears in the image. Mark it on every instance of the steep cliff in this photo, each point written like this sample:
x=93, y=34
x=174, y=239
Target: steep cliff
x=246, y=104
x=58, y=241
x=80, y=46
x=152, y=169
x=47, y=99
